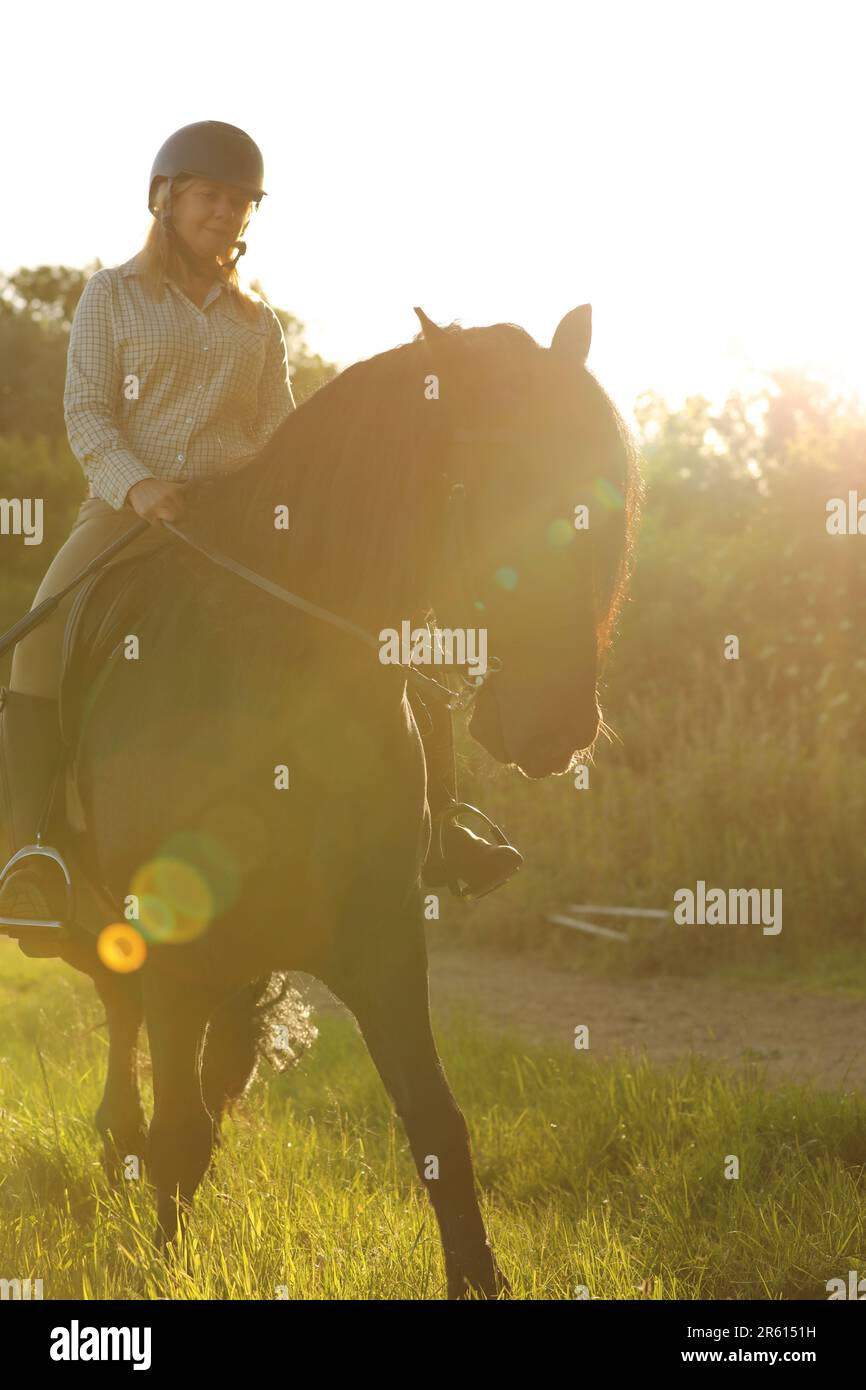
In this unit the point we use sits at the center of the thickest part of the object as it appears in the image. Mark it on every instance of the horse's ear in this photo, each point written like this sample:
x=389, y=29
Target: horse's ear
x=441, y=345
x=573, y=336
x=433, y=334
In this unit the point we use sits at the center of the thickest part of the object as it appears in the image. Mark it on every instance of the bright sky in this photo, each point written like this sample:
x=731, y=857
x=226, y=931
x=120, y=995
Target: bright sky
x=694, y=170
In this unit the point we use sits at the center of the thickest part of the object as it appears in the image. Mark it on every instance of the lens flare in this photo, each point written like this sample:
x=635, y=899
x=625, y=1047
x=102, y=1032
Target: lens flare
x=560, y=533
x=121, y=948
x=608, y=494
x=175, y=901
x=506, y=578
x=213, y=858
x=155, y=918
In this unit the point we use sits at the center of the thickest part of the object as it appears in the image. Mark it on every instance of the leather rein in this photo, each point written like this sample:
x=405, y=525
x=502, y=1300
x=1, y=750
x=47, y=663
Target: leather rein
x=456, y=503
x=425, y=685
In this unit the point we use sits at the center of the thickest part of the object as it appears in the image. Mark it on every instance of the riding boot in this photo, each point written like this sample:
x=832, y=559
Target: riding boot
x=467, y=863
x=30, y=747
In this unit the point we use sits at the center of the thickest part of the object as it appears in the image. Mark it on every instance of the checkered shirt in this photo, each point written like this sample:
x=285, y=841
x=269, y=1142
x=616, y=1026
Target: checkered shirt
x=168, y=390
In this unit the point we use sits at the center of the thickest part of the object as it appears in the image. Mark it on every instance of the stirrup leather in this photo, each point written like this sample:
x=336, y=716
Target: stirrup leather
x=62, y=924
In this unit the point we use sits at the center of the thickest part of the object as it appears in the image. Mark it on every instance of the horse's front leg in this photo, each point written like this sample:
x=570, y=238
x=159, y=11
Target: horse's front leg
x=390, y=1000
x=120, y=1118
x=182, y=1131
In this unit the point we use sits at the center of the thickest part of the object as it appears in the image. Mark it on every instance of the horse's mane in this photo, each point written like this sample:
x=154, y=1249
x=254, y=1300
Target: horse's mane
x=358, y=465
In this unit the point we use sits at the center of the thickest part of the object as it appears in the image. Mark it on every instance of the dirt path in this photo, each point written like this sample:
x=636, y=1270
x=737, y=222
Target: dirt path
x=795, y=1035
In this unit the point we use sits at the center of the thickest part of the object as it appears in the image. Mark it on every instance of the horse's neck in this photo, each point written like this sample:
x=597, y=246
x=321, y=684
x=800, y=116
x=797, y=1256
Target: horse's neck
x=295, y=557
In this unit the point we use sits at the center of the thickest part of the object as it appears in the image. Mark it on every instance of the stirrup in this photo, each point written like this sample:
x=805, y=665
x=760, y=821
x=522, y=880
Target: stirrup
x=61, y=925
x=442, y=818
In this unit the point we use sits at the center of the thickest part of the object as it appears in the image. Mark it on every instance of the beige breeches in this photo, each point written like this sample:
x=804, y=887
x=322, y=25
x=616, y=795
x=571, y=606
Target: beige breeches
x=36, y=663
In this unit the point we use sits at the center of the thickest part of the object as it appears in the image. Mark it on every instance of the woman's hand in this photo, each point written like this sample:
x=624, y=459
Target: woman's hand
x=157, y=499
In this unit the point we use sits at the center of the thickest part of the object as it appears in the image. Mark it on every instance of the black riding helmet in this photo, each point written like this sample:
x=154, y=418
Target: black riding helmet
x=208, y=150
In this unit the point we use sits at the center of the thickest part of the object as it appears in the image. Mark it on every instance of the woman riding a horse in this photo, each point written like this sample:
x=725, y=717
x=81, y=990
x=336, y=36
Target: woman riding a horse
x=175, y=374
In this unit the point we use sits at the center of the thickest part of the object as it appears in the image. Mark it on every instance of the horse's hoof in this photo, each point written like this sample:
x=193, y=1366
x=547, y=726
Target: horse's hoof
x=116, y=1155
x=487, y=1283
x=166, y=1248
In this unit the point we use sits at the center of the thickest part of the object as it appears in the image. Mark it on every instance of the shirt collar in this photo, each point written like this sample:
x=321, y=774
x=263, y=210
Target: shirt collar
x=132, y=267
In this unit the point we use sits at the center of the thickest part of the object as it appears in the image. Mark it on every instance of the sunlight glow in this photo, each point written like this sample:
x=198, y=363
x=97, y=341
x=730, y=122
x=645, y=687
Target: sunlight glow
x=690, y=170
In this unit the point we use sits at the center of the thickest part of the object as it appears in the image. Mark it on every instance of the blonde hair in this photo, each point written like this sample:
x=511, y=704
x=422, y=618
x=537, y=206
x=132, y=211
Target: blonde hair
x=159, y=257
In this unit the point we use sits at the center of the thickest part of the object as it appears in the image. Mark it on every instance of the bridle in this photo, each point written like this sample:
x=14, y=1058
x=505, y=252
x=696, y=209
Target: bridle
x=456, y=534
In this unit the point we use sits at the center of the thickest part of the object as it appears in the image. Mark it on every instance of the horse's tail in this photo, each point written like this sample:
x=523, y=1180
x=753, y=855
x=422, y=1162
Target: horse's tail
x=266, y=1018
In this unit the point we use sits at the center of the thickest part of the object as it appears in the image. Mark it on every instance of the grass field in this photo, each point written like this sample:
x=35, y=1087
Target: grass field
x=606, y=1175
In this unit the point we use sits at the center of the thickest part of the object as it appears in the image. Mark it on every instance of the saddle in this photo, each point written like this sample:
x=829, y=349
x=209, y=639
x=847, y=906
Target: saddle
x=104, y=610
x=107, y=606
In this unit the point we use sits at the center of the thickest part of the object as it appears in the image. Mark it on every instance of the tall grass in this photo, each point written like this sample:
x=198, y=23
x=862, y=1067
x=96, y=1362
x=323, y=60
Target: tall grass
x=690, y=788
x=604, y=1176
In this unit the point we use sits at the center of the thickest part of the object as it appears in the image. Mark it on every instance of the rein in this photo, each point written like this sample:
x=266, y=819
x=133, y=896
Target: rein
x=425, y=685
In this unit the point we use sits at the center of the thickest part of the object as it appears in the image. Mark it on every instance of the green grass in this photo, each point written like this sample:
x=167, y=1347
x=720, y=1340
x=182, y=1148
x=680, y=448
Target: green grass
x=603, y=1174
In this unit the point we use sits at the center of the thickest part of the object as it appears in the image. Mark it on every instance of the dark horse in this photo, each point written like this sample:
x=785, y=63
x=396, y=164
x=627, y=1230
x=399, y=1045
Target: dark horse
x=257, y=779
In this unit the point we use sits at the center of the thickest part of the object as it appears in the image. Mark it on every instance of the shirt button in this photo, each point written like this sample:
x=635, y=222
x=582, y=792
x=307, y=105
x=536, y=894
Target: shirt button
x=204, y=348
x=199, y=388
x=189, y=419
x=181, y=457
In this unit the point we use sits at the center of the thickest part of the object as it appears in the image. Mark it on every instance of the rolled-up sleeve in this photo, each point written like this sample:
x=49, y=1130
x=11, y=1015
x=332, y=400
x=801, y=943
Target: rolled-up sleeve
x=275, y=392
x=91, y=398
